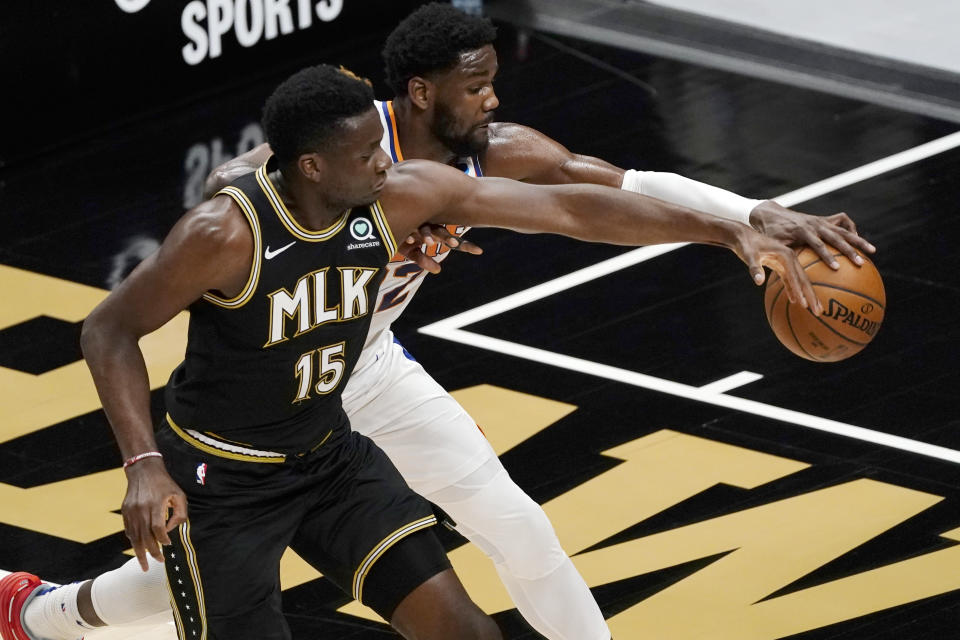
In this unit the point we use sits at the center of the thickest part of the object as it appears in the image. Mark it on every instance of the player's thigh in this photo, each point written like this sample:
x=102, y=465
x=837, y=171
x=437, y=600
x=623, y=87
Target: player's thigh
x=430, y=438
x=373, y=511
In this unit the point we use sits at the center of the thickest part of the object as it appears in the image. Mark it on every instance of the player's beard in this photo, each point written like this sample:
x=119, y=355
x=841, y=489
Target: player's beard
x=462, y=143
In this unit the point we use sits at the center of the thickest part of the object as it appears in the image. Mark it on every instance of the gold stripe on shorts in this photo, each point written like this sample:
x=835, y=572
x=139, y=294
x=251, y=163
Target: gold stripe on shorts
x=188, y=562
x=360, y=575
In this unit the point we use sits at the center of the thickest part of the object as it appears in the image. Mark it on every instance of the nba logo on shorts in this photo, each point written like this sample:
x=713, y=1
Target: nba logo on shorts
x=202, y=473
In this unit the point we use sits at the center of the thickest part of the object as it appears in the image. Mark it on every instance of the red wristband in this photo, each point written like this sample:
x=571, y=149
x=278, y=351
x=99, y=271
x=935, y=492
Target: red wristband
x=140, y=456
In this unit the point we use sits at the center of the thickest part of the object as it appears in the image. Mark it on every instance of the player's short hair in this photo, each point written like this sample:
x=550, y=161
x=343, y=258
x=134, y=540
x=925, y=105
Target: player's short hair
x=431, y=39
x=306, y=112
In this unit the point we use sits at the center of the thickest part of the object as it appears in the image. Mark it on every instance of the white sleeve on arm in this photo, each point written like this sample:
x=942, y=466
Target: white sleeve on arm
x=690, y=193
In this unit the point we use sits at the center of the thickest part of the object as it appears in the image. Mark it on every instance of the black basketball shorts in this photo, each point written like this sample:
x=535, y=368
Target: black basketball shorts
x=342, y=508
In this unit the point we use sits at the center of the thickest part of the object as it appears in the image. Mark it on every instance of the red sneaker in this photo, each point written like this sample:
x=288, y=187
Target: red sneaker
x=15, y=590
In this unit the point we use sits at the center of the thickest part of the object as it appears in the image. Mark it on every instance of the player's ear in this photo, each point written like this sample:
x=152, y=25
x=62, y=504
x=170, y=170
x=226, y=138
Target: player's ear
x=312, y=166
x=420, y=90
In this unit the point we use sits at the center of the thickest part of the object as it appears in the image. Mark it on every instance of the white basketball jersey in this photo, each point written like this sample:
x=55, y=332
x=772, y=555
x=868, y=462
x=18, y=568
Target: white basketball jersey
x=403, y=276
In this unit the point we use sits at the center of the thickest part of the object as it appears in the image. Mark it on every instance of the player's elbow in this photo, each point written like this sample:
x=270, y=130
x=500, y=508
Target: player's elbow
x=91, y=335
x=100, y=330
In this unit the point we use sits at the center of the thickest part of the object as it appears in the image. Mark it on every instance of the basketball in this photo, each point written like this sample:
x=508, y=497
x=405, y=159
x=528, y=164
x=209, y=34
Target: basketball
x=853, y=302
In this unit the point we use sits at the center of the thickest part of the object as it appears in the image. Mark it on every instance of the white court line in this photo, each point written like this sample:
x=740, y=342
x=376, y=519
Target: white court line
x=870, y=170
x=452, y=328
x=731, y=382
x=701, y=394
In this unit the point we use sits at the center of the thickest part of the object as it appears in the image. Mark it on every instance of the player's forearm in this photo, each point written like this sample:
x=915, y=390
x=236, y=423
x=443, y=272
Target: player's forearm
x=689, y=193
x=606, y=215
x=120, y=375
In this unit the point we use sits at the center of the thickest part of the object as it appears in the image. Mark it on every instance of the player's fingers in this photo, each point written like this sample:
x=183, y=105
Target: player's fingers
x=757, y=273
x=141, y=554
x=842, y=243
x=179, y=515
x=152, y=546
x=842, y=220
x=442, y=234
x=424, y=261
x=789, y=278
x=819, y=247
x=808, y=297
x=857, y=241
x=158, y=523
x=464, y=245
x=426, y=233
x=132, y=532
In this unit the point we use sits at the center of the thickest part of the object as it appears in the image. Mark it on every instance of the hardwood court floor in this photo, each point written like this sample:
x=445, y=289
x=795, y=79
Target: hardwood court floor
x=691, y=513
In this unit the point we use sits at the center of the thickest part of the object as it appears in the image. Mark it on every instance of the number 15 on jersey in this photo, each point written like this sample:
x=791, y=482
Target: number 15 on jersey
x=329, y=366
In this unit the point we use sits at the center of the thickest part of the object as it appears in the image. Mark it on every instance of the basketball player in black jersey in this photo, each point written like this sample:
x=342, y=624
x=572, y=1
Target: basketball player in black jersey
x=256, y=438
x=455, y=77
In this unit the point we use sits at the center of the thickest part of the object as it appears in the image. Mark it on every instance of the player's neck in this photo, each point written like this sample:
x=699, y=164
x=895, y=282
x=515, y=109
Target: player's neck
x=417, y=141
x=305, y=203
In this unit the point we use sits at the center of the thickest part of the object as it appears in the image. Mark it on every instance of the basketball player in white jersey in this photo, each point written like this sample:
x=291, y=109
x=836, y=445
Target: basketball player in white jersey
x=443, y=111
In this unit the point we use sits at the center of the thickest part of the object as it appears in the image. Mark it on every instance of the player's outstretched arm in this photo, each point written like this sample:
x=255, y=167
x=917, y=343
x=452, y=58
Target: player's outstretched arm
x=526, y=154
x=209, y=248
x=419, y=191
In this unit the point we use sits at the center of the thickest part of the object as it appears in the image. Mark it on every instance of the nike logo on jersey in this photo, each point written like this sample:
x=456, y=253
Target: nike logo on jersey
x=273, y=254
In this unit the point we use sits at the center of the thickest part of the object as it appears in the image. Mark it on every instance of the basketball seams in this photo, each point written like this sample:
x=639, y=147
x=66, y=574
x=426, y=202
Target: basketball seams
x=796, y=339
x=773, y=302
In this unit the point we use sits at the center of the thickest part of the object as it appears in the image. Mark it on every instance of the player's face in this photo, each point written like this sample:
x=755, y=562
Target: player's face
x=356, y=166
x=466, y=102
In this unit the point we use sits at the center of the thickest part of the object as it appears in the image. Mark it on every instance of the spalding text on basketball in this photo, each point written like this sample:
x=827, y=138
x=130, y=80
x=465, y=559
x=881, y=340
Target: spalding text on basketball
x=838, y=311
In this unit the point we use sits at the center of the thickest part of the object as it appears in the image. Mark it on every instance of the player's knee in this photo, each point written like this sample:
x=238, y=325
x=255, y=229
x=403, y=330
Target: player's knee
x=510, y=528
x=530, y=549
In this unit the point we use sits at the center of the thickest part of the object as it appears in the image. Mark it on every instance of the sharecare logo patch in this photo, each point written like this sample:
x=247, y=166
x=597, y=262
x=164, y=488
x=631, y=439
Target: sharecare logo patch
x=361, y=229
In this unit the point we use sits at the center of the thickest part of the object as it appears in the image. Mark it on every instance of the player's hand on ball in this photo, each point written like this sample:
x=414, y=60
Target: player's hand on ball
x=803, y=230
x=151, y=494
x=758, y=251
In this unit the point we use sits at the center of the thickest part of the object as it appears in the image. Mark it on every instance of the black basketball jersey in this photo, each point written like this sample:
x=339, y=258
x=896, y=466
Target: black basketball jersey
x=265, y=370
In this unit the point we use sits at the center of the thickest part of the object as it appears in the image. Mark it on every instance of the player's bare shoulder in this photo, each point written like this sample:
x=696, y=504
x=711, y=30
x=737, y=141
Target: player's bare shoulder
x=215, y=241
x=507, y=138
x=217, y=223
x=515, y=151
